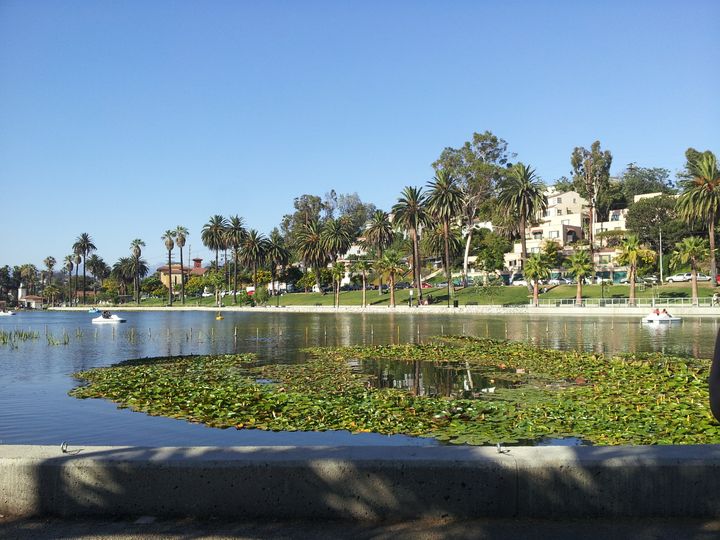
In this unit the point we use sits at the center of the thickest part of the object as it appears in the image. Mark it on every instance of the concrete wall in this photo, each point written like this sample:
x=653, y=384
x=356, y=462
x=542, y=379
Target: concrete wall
x=361, y=483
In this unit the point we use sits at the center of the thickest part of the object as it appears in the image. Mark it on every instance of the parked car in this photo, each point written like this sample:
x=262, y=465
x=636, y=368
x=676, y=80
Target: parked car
x=520, y=282
x=560, y=281
x=687, y=276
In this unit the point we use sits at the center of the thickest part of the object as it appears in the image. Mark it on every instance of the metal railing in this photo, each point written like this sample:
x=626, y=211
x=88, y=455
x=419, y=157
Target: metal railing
x=625, y=302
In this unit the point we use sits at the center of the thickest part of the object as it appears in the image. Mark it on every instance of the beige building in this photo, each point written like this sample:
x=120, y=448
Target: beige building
x=189, y=271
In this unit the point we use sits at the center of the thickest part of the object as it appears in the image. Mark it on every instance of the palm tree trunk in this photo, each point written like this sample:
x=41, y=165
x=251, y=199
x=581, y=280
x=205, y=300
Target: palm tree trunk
x=77, y=270
x=416, y=268
x=466, y=257
x=523, y=243
x=578, y=294
x=84, y=259
x=170, y=294
x=392, y=290
x=182, y=279
x=694, y=286
x=536, y=299
x=235, y=266
x=446, y=233
x=380, y=254
x=631, y=301
x=363, y=290
x=713, y=268
x=591, y=238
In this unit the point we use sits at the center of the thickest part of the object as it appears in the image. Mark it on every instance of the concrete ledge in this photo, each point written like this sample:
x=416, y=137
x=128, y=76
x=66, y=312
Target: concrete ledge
x=362, y=483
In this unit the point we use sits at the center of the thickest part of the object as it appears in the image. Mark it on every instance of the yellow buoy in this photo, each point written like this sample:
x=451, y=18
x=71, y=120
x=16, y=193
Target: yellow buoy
x=219, y=317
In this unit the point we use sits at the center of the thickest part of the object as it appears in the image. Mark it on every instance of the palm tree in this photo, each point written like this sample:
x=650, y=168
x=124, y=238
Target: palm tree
x=252, y=252
x=95, y=265
x=78, y=260
x=277, y=255
x=580, y=266
x=136, y=249
x=691, y=250
x=364, y=267
x=124, y=271
x=50, y=292
x=700, y=200
x=212, y=235
x=83, y=246
x=169, y=245
x=335, y=238
x=49, y=263
x=235, y=233
x=522, y=195
x=410, y=213
x=445, y=202
x=310, y=248
x=391, y=264
x=338, y=272
x=69, y=265
x=537, y=267
x=632, y=253
x=378, y=235
x=181, y=234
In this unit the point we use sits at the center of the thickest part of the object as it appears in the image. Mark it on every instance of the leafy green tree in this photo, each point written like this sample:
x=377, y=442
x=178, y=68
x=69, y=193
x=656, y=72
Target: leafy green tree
x=699, y=201
x=591, y=169
x=522, y=195
x=536, y=268
x=84, y=246
x=633, y=254
x=307, y=209
x=392, y=265
x=411, y=213
x=213, y=235
x=124, y=272
x=479, y=165
x=181, y=234
x=445, y=201
x=433, y=243
x=169, y=245
x=552, y=252
x=640, y=180
x=491, y=252
x=338, y=273
x=580, y=267
x=307, y=280
x=691, y=250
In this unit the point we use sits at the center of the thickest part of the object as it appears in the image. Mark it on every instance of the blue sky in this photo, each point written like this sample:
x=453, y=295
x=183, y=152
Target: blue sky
x=126, y=118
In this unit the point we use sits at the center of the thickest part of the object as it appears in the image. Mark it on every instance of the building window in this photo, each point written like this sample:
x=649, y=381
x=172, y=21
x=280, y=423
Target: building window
x=615, y=216
x=534, y=250
x=604, y=259
x=554, y=234
x=559, y=211
x=568, y=211
x=558, y=200
x=537, y=235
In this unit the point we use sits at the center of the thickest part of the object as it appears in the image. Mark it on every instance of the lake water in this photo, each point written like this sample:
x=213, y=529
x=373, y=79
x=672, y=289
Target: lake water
x=35, y=375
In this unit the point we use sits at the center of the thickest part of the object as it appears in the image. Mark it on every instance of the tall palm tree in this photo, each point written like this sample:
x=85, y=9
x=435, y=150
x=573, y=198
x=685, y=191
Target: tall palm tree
x=83, y=246
x=136, y=249
x=410, y=213
x=364, y=267
x=78, y=261
x=235, y=233
x=95, y=265
x=392, y=265
x=537, y=267
x=212, y=235
x=522, y=195
x=124, y=272
x=169, y=245
x=691, y=250
x=445, y=202
x=49, y=263
x=252, y=252
x=336, y=239
x=700, y=199
x=181, y=234
x=632, y=253
x=310, y=247
x=580, y=266
x=277, y=255
x=378, y=235
x=69, y=265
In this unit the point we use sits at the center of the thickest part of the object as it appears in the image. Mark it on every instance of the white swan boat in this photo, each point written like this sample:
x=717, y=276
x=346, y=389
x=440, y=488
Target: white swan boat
x=6, y=313
x=110, y=319
x=661, y=318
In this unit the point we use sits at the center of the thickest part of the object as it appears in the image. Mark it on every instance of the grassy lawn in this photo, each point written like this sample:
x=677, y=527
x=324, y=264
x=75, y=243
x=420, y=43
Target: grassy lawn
x=469, y=295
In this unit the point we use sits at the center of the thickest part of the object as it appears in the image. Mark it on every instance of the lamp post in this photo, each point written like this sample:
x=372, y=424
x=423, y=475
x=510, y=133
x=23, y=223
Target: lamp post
x=410, y=298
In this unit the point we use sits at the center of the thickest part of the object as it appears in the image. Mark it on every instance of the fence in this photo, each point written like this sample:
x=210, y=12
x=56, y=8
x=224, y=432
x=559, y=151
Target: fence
x=625, y=302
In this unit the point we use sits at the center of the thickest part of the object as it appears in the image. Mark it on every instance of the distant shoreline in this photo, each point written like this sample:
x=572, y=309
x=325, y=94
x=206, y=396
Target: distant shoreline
x=566, y=310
